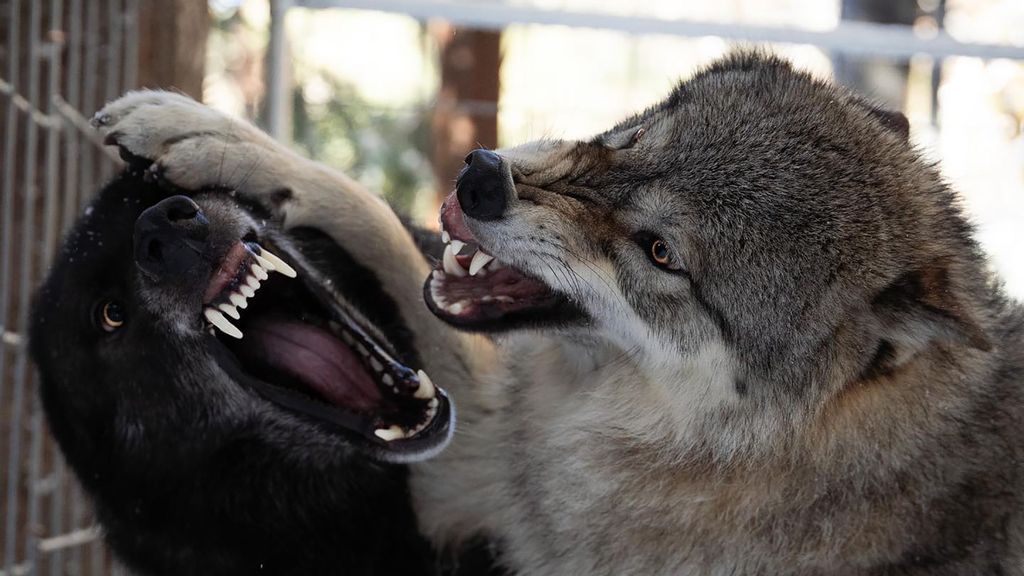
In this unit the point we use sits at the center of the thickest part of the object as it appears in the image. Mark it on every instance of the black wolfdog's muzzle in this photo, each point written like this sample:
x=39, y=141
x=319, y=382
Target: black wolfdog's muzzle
x=170, y=237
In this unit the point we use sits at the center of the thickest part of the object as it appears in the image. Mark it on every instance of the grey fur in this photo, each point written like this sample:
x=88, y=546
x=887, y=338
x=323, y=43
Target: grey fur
x=832, y=385
x=831, y=388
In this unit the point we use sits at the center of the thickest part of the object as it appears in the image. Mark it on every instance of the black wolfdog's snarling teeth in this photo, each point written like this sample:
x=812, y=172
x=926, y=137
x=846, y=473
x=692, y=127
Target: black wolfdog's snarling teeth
x=301, y=340
x=425, y=391
x=236, y=280
x=271, y=262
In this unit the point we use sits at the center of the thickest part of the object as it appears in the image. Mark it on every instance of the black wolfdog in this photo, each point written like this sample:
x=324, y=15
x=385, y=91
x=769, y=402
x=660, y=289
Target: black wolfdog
x=207, y=454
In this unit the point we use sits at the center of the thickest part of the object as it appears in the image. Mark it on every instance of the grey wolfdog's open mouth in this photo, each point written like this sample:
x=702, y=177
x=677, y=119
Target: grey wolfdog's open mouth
x=472, y=289
x=278, y=328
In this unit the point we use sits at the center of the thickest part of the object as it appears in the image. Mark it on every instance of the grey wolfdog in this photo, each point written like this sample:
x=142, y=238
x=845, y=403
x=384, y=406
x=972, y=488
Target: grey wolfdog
x=746, y=331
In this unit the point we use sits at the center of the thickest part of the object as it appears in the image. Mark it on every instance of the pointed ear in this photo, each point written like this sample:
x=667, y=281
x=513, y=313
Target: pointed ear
x=921, y=308
x=893, y=120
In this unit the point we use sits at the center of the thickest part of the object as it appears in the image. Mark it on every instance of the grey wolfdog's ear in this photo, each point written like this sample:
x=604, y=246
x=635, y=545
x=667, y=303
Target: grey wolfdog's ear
x=921, y=308
x=894, y=121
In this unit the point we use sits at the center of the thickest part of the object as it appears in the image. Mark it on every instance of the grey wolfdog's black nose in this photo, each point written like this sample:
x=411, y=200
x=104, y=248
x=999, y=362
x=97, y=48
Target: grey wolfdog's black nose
x=483, y=188
x=170, y=237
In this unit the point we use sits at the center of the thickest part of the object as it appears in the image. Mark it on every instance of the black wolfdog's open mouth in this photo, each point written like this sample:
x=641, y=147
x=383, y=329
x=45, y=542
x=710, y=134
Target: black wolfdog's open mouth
x=476, y=291
x=296, y=344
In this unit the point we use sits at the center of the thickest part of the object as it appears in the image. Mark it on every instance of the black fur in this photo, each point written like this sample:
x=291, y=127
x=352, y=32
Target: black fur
x=190, y=472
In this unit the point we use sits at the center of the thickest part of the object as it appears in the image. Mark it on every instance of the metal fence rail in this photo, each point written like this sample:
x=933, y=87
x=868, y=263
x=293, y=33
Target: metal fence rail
x=849, y=38
x=61, y=59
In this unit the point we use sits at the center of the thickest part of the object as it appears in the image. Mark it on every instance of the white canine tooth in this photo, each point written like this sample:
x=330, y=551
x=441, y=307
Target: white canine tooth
x=445, y=237
x=252, y=282
x=455, y=308
x=218, y=320
x=426, y=389
x=457, y=246
x=479, y=261
x=246, y=290
x=267, y=264
x=451, y=265
x=279, y=265
x=377, y=366
x=388, y=434
x=437, y=274
x=433, y=403
x=229, y=310
x=238, y=300
x=259, y=272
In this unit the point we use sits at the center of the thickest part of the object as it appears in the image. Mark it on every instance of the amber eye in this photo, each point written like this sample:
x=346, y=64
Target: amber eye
x=660, y=253
x=111, y=315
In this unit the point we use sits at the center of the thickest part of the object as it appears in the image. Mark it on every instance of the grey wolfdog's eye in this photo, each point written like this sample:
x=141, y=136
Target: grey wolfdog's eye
x=659, y=253
x=110, y=315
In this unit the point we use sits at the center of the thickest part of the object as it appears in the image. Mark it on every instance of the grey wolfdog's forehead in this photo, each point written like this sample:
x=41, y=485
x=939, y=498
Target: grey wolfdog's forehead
x=751, y=142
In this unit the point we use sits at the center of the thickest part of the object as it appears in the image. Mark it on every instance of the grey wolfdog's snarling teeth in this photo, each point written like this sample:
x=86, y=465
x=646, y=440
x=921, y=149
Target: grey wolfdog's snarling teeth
x=245, y=265
x=480, y=259
x=475, y=263
x=451, y=264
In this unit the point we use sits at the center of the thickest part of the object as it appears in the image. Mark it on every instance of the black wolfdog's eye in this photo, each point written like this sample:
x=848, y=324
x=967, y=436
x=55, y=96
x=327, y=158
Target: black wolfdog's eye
x=111, y=315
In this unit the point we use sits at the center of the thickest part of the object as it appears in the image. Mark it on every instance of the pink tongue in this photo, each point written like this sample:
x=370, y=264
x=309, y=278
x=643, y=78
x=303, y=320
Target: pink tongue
x=453, y=220
x=324, y=364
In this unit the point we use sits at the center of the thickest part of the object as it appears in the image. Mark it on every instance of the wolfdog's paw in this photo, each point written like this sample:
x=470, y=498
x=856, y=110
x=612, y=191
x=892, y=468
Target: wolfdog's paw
x=180, y=141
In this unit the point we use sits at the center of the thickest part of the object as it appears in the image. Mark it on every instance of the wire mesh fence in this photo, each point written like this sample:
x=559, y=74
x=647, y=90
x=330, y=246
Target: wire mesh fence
x=61, y=60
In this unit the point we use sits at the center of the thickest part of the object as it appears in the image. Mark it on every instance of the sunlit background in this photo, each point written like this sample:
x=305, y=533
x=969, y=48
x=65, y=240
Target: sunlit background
x=365, y=83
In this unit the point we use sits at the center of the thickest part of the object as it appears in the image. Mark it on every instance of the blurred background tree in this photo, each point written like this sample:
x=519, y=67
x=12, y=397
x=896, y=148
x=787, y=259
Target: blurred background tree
x=388, y=150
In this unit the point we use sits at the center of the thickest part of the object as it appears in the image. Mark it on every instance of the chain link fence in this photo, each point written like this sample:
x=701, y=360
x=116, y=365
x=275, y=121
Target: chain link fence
x=61, y=60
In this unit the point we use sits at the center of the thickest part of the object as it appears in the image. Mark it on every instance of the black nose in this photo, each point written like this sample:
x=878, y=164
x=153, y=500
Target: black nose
x=483, y=188
x=170, y=237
